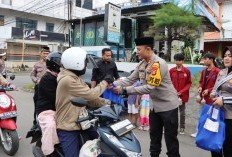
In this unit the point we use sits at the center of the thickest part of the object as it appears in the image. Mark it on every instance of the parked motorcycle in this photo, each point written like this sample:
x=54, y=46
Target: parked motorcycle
x=116, y=136
x=8, y=113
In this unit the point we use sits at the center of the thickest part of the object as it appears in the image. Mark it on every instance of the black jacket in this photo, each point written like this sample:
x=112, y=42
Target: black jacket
x=46, y=93
x=104, y=68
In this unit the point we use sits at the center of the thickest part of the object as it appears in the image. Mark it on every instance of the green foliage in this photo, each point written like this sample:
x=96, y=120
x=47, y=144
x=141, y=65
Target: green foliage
x=29, y=87
x=172, y=16
x=196, y=79
x=180, y=23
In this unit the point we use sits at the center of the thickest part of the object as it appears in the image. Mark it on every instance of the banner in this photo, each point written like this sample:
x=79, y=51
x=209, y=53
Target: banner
x=112, y=21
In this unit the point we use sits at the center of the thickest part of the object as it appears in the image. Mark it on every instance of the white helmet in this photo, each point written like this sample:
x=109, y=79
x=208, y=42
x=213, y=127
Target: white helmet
x=74, y=58
x=2, y=53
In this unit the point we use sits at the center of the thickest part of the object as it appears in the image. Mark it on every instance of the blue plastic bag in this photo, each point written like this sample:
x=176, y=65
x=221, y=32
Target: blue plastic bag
x=115, y=98
x=211, y=129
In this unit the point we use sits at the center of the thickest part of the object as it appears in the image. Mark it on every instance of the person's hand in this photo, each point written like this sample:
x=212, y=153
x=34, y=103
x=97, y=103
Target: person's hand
x=118, y=89
x=137, y=105
x=110, y=86
x=179, y=93
x=198, y=99
x=199, y=90
x=108, y=102
x=205, y=92
x=218, y=101
x=212, y=95
x=109, y=79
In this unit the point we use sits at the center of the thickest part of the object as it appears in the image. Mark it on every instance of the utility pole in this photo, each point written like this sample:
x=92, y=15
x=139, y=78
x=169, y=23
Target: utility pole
x=23, y=46
x=82, y=3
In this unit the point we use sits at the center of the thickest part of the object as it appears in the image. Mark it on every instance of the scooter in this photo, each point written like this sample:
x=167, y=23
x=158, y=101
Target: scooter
x=116, y=136
x=8, y=113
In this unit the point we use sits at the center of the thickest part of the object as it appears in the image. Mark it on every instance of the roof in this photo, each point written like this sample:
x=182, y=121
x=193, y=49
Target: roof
x=140, y=12
x=219, y=40
x=129, y=10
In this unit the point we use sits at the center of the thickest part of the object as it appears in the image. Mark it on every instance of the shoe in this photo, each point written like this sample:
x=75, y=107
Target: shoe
x=181, y=131
x=146, y=128
x=140, y=127
x=194, y=135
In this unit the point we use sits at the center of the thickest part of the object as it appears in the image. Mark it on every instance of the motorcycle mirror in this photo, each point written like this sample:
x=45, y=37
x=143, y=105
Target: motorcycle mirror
x=12, y=77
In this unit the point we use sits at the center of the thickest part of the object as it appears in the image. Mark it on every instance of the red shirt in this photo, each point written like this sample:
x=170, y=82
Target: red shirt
x=181, y=80
x=208, y=83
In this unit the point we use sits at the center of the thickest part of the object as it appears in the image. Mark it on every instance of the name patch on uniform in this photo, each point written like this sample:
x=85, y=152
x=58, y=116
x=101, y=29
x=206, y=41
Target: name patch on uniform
x=154, y=78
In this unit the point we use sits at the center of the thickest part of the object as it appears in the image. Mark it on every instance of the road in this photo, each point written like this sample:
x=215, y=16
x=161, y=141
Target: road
x=25, y=110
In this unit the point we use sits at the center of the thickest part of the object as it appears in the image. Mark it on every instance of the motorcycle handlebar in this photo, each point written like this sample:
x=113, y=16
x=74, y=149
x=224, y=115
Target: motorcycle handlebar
x=8, y=88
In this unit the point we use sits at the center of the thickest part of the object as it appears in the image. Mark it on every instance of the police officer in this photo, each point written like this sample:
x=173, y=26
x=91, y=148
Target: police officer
x=153, y=73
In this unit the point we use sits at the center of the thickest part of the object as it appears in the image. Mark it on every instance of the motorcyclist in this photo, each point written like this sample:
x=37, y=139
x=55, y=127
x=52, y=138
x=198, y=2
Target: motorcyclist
x=45, y=106
x=71, y=85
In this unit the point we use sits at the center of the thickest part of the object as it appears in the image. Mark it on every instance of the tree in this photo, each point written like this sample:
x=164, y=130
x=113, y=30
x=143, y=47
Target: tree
x=178, y=23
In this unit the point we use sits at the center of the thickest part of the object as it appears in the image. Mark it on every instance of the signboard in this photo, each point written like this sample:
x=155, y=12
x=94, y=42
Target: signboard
x=31, y=34
x=112, y=23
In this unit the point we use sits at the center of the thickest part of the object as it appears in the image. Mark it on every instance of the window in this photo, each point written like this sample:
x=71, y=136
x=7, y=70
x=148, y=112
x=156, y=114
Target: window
x=1, y=20
x=26, y=23
x=7, y=2
x=89, y=34
x=50, y=27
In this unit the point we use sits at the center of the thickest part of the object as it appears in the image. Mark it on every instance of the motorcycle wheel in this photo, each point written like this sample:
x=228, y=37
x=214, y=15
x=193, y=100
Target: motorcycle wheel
x=11, y=145
x=37, y=152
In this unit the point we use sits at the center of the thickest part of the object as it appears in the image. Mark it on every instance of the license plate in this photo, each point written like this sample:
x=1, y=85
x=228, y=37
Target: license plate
x=122, y=127
x=7, y=115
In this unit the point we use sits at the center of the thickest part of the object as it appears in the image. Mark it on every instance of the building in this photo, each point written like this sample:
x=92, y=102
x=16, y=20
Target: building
x=27, y=25
x=135, y=21
x=216, y=42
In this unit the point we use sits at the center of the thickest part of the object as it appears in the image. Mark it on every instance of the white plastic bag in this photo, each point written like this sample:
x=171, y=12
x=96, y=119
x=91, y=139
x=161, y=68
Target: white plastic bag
x=90, y=149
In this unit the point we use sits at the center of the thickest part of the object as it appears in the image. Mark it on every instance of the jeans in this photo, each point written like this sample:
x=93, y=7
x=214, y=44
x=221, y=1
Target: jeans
x=227, y=146
x=168, y=120
x=69, y=140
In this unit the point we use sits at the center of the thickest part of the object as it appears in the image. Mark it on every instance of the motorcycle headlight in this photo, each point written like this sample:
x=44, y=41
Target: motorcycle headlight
x=114, y=140
x=4, y=101
x=130, y=153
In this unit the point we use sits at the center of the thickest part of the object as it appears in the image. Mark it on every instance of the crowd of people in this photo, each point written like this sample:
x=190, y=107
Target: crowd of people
x=155, y=95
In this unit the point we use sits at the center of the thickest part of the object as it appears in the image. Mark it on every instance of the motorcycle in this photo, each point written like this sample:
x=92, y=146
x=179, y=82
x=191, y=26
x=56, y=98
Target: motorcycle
x=116, y=137
x=8, y=113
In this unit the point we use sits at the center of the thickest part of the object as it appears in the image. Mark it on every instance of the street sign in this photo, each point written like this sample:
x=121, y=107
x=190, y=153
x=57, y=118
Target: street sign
x=112, y=22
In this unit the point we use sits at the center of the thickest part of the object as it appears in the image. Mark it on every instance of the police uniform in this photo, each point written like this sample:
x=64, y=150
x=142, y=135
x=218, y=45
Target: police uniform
x=164, y=102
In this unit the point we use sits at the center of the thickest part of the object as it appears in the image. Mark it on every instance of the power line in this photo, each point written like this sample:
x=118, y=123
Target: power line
x=51, y=7
x=26, y=13
x=43, y=6
x=25, y=9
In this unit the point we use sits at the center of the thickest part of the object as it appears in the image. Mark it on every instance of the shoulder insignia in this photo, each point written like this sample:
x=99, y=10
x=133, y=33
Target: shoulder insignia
x=154, y=78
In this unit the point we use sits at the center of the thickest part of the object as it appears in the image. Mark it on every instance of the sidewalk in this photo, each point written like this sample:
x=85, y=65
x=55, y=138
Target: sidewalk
x=192, y=113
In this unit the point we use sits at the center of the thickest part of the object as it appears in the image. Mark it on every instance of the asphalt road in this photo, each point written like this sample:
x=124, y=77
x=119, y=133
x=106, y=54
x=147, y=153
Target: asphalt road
x=25, y=110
